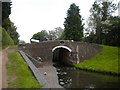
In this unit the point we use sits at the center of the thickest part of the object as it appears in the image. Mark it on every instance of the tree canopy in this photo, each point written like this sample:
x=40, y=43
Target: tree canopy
x=6, y=9
x=7, y=24
x=50, y=35
x=73, y=24
x=41, y=36
x=102, y=26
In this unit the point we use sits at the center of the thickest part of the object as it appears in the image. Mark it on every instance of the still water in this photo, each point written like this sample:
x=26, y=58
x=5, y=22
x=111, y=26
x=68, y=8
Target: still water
x=69, y=77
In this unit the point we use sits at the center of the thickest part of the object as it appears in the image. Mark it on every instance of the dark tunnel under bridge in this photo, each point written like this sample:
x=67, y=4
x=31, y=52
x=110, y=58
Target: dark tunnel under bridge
x=62, y=54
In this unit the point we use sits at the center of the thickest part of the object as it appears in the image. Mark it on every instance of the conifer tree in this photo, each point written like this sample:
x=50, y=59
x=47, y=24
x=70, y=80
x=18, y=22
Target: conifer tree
x=73, y=24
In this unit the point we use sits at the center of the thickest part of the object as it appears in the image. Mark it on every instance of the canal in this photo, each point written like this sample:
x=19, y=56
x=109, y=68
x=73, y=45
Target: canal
x=70, y=77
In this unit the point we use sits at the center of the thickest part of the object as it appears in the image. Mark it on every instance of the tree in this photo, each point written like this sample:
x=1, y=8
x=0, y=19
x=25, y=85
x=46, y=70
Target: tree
x=59, y=31
x=73, y=24
x=52, y=35
x=62, y=37
x=22, y=42
x=7, y=24
x=6, y=11
x=100, y=12
x=56, y=33
x=41, y=36
x=13, y=33
x=112, y=31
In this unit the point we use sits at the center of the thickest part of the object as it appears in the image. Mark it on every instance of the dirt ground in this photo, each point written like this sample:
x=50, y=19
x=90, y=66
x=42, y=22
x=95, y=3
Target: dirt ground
x=0, y=70
x=3, y=70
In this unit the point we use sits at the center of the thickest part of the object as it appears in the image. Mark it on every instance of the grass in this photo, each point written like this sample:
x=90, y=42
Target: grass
x=106, y=61
x=19, y=75
x=13, y=47
x=3, y=47
x=6, y=39
x=10, y=47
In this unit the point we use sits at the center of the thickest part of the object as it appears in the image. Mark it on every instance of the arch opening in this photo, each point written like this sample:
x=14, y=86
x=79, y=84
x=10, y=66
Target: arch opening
x=65, y=47
x=61, y=54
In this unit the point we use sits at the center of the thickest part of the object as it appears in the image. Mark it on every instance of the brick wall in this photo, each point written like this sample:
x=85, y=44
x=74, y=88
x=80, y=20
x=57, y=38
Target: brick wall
x=44, y=50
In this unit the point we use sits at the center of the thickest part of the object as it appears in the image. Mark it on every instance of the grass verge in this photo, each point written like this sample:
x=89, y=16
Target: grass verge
x=106, y=61
x=3, y=47
x=19, y=74
x=10, y=47
x=13, y=47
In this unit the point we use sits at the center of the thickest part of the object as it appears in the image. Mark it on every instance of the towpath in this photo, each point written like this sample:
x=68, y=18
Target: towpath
x=3, y=70
x=0, y=70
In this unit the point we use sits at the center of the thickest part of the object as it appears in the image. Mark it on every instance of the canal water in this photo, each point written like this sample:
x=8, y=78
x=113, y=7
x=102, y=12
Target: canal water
x=70, y=77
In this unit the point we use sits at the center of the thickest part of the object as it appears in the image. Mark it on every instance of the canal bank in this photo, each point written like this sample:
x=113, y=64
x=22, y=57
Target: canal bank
x=106, y=62
x=70, y=77
x=99, y=72
x=45, y=74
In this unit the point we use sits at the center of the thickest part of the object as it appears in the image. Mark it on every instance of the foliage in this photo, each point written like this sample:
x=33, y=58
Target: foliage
x=73, y=24
x=6, y=22
x=19, y=74
x=62, y=37
x=13, y=47
x=0, y=36
x=11, y=29
x=107, y=60
x=22, y=42
x=100, y=12
x=52, y=35
x=41, y=36
x=59, y=32
x=55, y=34
x=13, y=33
x=91, y=38
x=110, y=32
x=6, y=9
x=6, y=39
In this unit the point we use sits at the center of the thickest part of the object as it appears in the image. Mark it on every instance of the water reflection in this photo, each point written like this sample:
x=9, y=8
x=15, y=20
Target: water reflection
x=69, y=77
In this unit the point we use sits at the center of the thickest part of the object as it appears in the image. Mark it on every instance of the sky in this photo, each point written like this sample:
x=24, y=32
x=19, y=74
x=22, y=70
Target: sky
x=32, y=16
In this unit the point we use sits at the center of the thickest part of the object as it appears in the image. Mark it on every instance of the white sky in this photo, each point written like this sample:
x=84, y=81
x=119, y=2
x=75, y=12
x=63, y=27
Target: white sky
x=32, y=16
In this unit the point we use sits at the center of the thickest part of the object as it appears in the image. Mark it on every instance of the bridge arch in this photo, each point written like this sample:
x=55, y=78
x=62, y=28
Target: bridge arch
x=64, y=47
x=61, y=54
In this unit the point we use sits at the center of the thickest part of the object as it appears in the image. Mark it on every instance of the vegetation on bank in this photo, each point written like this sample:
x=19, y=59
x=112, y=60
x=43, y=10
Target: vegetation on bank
x=19, y=73
x=106, y=61
x=5, y=39
x=13, y=47
x=7, y=24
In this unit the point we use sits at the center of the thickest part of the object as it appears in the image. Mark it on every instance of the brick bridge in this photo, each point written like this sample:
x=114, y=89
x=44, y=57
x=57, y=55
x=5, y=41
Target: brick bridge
x=67, y=51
